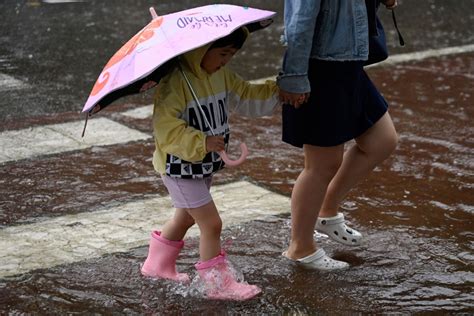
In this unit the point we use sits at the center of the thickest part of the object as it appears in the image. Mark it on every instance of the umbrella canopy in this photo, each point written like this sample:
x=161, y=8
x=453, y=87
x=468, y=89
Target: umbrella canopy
x=142, y=60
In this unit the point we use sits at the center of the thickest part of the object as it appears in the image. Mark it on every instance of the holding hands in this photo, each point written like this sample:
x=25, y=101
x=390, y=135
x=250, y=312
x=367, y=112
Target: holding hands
x=295, y=99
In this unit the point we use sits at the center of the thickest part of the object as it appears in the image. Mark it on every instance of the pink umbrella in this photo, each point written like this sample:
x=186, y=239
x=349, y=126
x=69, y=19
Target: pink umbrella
x=140, y=63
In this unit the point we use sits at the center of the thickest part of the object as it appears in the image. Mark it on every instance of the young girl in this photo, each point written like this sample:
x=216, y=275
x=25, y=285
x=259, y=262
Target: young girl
x=187, y=156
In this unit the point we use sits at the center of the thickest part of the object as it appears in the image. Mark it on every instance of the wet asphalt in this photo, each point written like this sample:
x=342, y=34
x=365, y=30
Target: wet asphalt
x=416, y=209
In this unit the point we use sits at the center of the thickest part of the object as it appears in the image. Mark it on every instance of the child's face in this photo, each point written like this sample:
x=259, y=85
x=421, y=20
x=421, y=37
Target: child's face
x=216, y=58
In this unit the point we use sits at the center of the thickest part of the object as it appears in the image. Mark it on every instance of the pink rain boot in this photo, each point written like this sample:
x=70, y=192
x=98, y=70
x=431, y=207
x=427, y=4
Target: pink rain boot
x=161, y=260
x=220, y=282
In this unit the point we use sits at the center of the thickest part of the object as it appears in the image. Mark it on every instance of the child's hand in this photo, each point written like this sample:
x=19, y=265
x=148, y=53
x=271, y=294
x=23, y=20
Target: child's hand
x=295, y=99
x=215, y=143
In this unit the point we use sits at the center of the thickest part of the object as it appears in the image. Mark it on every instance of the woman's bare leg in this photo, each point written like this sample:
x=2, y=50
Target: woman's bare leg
x=371, y=148
x=321, y=164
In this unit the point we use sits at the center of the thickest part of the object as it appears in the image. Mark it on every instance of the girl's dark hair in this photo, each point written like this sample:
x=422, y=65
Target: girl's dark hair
x=236, y=39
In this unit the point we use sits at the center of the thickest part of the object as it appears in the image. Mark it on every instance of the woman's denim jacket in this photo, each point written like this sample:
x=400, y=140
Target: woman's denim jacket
x=321, y=29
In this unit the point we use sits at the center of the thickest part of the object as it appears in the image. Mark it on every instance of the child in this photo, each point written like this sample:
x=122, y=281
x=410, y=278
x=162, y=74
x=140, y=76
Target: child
x=186, y=156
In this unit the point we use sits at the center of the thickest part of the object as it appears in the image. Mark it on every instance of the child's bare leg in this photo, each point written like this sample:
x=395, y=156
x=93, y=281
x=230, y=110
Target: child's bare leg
x=217, y=276
x=210, y=226
x=371, y=148
x=176, y=228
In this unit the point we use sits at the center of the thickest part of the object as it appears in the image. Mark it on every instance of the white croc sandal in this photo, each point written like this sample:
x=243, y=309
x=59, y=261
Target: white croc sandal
x=320, y=261
x=337, y=230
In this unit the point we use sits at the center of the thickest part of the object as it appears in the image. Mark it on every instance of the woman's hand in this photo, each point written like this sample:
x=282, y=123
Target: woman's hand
x=295, y=99
x=215, y=143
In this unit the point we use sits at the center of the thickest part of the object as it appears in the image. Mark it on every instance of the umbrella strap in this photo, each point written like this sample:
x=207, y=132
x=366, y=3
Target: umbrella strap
x=197, y=101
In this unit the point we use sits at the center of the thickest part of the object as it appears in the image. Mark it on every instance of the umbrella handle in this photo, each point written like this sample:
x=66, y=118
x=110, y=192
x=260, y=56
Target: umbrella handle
x=154, y=16
x=241, y=159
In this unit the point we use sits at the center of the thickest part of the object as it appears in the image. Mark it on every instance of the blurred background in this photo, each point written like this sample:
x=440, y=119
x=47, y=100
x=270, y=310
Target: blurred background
x=58, y=48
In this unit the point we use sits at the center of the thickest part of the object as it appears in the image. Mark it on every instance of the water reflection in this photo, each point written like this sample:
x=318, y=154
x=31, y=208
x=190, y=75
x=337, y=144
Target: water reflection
x=399, y=269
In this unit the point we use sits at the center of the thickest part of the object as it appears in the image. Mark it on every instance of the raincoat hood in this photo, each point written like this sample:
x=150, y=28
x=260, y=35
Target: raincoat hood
x=192, y=59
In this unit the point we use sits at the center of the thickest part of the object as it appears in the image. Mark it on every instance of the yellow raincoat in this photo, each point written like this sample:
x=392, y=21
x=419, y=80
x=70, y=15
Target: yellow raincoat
x=179, y=128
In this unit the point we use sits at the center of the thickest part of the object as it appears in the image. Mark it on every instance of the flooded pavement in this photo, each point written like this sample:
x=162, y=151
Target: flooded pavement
x=416, y=209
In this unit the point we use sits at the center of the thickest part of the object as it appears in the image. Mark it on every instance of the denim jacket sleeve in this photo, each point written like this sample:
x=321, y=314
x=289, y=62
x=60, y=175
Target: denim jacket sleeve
x=300, y=19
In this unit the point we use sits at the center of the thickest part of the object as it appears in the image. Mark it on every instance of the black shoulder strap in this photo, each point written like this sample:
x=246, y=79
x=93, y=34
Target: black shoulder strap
x=400, y=37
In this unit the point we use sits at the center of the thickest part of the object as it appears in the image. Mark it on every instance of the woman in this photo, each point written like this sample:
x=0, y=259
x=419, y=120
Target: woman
x=329, y=101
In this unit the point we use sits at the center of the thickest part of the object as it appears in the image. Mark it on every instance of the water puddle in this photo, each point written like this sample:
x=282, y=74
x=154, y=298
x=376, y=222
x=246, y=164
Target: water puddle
x=398, y=269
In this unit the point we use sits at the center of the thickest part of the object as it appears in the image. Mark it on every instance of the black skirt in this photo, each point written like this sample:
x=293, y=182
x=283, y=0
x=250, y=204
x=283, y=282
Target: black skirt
x=343, y=104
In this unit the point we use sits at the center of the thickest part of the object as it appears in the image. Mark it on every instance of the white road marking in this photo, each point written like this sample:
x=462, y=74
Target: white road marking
x=10, y=83
x=416, y=56
x=141, y=112
x=73, y=238
x=57, y=138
